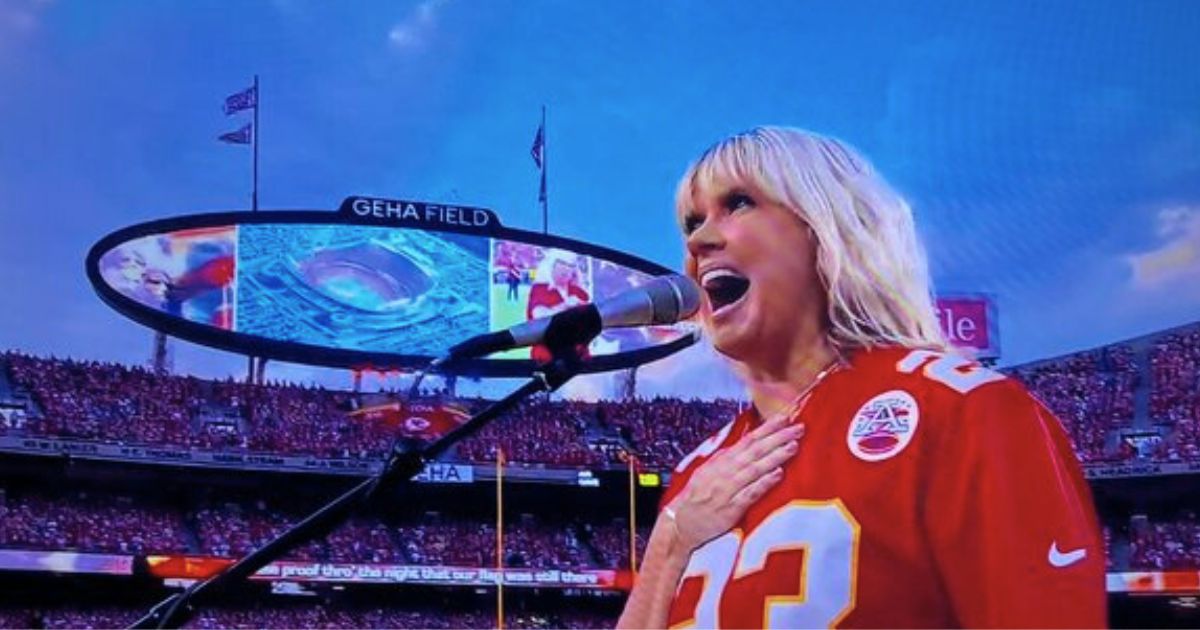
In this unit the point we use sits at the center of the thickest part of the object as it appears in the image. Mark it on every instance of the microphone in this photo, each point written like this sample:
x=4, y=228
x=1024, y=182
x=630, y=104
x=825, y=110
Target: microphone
x=663, y=300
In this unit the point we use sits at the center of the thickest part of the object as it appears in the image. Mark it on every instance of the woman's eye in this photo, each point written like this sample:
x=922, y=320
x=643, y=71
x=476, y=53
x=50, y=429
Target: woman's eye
x=691, y=224
x=738, y=201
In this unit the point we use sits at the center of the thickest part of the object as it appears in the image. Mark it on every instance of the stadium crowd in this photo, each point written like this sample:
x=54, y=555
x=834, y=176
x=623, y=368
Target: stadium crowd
x=123, y=524
x=665, y=429
x=1092, y=392
x=1175, y=397
x=130, y=405
x=309, y=615
x=112, y=524
x=1173, y=363
x=104, y=401
x=528, y=542
x=611, y=541
x=233, y=530
x=1165, y=544
x=538, y=432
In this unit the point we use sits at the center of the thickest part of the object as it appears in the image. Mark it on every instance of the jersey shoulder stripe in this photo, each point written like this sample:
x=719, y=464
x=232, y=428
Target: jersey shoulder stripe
x=951, y=370
x=706, y=448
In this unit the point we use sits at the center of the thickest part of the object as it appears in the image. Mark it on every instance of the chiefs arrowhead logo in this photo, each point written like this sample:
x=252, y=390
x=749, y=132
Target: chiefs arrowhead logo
x=416, y=424
x=883, y=426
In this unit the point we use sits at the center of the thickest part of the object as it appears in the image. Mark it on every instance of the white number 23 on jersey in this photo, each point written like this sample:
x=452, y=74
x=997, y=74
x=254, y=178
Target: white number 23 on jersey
x=824, y=591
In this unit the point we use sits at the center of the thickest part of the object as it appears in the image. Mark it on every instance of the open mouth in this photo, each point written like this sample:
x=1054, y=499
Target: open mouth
x=724, y=287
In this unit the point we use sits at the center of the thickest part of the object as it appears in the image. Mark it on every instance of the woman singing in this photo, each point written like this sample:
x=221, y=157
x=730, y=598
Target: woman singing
x=878, y=480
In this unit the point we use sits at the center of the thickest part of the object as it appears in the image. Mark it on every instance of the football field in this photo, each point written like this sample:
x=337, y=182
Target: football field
x=506, y=312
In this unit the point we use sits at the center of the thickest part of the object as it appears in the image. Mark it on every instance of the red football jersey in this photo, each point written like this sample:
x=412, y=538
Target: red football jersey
x=927, y=492
x=542, y=294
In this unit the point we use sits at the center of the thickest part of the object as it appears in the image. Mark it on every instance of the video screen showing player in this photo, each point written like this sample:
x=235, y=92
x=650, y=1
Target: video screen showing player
x=531, y=282
x=187, y=273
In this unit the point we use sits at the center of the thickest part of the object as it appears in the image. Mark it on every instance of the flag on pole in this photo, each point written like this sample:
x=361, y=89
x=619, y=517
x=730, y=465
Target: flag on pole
x=246, y=99
x=539, y=145
x=538, y=153
x=241, y=136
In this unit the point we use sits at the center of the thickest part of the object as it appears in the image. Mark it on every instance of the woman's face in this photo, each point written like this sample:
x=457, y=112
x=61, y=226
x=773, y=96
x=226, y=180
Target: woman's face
x=132, y=267
x=563, y=273
x=756, y=261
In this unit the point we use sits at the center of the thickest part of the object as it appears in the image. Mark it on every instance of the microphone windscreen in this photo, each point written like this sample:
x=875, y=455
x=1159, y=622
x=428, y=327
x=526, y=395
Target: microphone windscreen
x=673, y=298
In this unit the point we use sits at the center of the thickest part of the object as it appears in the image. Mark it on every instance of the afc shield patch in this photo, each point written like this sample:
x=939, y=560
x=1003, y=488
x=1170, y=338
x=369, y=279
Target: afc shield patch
x=883, y=426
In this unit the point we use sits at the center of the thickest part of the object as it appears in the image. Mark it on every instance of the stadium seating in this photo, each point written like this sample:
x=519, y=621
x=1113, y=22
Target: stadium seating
x=664, y=430
x=537, y=433
x=611, y=541
x=1099, y=395
x=1175, y=396
x=1174, y=363
x=1091, y=393
x=1165, y=544
x=139, y=525
x=310, y=615
x=113, y=524
x=115, y=403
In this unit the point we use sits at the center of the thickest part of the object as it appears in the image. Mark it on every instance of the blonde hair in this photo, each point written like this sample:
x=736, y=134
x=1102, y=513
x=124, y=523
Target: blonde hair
x=552, y=255
x=869, y=257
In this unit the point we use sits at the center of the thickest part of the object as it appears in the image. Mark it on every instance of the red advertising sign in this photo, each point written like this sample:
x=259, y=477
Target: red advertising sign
x=419, y=420
x=969, y=322
x=1158, y=582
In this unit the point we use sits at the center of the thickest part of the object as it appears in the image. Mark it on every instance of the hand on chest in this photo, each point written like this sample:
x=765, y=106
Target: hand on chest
x=867, y=452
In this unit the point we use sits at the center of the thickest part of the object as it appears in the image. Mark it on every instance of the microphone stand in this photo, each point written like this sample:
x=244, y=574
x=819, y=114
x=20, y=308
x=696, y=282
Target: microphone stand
x=405, y=461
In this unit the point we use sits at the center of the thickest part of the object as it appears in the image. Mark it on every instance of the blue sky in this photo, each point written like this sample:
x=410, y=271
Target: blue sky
x=1051, y=150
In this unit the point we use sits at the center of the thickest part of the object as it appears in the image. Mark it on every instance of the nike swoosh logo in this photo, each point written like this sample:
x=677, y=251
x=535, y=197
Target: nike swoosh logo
x=1060, y=559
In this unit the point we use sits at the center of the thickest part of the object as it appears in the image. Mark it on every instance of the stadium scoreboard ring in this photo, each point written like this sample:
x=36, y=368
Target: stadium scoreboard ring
x=383, y=282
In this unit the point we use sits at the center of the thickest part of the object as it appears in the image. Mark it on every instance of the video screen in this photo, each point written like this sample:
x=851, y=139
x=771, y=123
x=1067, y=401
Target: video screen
x=369, y=288
x=191, y=274
x=362, y=287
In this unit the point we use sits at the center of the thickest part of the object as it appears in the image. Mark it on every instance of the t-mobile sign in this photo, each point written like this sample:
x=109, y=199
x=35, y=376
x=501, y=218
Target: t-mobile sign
x=969, y=321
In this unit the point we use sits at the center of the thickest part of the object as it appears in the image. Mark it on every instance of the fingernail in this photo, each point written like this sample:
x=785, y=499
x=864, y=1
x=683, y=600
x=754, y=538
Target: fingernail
x=777, y=472
x=793, y=445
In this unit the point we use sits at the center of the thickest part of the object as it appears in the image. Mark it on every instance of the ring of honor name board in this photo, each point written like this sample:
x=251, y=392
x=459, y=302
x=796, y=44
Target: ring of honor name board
x=388, y=281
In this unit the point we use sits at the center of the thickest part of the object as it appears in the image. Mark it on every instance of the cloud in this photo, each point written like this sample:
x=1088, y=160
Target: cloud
x=1175, y=263
x=20, y=17
x=416, y=28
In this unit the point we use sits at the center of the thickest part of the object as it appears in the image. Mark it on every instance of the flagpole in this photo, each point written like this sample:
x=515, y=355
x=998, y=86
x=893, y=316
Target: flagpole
x=500, y=538
x=632, y=517
x=545, y=163
x=254, y=205
x=254, y=195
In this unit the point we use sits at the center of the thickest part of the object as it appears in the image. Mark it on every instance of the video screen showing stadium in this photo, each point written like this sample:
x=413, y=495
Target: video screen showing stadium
x=368, y=288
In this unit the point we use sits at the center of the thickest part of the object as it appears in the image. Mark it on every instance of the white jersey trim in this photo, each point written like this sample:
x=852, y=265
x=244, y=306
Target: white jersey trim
x=706, y=448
